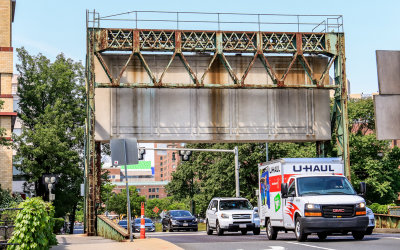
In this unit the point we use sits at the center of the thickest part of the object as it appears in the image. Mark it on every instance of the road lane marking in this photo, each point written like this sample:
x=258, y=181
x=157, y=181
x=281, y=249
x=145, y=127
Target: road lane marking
x=393, y=238
x=306, y=245
x=276, y=248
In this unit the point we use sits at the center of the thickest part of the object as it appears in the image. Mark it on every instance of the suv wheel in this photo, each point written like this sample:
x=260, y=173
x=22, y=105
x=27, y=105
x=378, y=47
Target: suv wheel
x=256, y=231
x=219, y=230
x=170, y=228
x=298, y=230
x=208, y=229
x=357, y=235
x=271, y=232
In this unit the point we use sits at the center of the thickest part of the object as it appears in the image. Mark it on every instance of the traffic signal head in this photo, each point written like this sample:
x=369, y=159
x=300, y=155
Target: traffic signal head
x=141, y=153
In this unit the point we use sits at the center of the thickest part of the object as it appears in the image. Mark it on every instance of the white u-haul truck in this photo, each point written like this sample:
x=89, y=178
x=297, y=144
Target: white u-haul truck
x=309, y=195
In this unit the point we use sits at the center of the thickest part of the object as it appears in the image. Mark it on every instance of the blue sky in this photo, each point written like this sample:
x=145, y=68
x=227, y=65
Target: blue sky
x=54, y=26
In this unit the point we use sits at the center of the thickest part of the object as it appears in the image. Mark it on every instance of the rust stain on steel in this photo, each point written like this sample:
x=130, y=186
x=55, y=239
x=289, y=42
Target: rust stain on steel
x=299, y=43
x=216, y=113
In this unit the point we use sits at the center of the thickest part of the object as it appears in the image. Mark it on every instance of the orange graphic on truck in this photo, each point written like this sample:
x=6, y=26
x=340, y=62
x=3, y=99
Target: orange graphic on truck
x=291, y=209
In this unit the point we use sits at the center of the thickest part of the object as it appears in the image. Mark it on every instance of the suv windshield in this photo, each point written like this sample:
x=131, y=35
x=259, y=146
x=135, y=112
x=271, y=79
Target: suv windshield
x=235, y=205
x=325, y=185
x=182, y=213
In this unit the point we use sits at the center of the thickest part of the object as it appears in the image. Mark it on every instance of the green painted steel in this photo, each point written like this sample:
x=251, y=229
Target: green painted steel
x=387, y=221
x=107, y=231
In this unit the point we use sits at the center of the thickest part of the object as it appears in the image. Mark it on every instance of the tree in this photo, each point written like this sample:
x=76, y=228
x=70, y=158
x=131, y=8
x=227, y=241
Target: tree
x=52, y=113
x=117, y=202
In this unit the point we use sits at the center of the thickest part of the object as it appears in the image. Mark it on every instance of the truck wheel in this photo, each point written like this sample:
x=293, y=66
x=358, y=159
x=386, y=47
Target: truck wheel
x=271, y=232
x=208, y=229
x=298, y=230
x=256, y=231
x=357, y=235
x=219, y=230
x=369, y=231
x=244, y=232
x=322, y=235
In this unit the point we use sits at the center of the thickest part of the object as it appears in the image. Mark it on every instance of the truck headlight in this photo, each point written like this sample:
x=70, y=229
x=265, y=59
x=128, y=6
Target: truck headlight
x=312, y=210
x=225, y=216
x=361, y=209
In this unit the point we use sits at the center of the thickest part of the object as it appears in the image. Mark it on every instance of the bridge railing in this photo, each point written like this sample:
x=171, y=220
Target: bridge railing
x=218, y=21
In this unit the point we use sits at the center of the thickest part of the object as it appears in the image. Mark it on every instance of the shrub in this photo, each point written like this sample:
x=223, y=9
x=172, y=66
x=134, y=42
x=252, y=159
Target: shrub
x=34, y=226
x=380, y=209
x=58, y=224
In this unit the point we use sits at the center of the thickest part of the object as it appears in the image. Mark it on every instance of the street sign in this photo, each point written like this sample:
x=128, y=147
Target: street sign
x=155, y=210
x=120, y=147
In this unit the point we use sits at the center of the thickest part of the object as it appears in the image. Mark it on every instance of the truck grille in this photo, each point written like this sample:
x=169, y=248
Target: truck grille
x=241, y=216
x=338, y=210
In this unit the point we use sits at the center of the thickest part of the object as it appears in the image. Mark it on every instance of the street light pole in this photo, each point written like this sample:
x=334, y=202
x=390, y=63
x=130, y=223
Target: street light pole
x=237, y=171
x=128, y=200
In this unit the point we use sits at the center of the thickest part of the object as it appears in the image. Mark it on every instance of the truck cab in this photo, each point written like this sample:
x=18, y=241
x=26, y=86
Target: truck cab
x=310, y=196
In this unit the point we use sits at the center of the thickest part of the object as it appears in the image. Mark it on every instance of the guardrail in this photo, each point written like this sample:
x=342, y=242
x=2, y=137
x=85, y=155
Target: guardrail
x=387, y=221
x=109, y=229
x=6, y=227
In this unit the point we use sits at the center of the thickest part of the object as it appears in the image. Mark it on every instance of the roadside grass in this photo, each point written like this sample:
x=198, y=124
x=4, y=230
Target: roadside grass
x=202, y=227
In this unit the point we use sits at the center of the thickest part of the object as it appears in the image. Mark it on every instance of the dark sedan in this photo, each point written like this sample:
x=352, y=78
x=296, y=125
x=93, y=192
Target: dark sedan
x=148, y=223
x=179, y=220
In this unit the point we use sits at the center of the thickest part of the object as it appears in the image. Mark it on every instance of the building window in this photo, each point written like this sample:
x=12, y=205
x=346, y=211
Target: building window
x=160, y=163
x=161, y=169
x=153, y=190
x=160, y=158
x=161, y=175
x=157, y=189
x=138, y=190
x=149, y=190
x=157, y=196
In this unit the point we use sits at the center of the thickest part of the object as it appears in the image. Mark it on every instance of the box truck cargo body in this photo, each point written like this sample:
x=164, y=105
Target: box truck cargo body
x=309, y=195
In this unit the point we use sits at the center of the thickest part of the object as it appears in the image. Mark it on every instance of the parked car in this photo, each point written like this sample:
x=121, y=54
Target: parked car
x=123, y=223
x=371, y=224
x=179, y=220
x=233, y=215
x=148, y=223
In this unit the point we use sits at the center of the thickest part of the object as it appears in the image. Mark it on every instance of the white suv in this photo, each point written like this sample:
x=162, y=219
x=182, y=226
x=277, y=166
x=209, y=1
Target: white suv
x=232, y=214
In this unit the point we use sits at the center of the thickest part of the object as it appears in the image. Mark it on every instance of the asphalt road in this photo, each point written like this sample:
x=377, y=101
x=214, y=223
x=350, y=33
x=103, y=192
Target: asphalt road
x=232, y=241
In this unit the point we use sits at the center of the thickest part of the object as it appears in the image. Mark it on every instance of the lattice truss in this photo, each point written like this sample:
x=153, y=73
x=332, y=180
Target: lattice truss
x=217, y=43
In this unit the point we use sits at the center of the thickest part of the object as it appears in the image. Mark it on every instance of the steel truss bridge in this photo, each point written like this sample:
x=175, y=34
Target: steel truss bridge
x=219, y=42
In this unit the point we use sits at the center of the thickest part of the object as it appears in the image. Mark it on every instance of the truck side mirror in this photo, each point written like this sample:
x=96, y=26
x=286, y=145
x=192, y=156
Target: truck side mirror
x=256, y=209
x=363, y=188
x=284, y=190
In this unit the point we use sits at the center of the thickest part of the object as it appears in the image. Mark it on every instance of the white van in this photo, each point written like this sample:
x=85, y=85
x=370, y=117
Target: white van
x=309, y=195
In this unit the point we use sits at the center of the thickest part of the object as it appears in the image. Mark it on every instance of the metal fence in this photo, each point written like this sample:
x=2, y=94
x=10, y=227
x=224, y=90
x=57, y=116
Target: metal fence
x=6, y=226
x=218, y=21
x=394, y=210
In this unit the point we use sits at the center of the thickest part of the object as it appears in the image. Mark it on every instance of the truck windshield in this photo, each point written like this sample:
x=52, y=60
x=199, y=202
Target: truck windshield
x=235, y=205
x=324, y=185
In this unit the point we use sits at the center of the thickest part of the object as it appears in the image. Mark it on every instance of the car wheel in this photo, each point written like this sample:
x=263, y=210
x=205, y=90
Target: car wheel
x=298, y=230
x=170, y=228
x=244, y=232
x=358, y=235
x=195, y=229
x=256, y=231
x=271, y=232
x=219, y=230
x=369, y=231
x=208, y=229
x=322, y=235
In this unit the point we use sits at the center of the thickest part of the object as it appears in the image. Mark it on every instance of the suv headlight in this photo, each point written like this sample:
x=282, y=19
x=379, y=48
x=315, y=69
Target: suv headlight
x=225, y=216
x=256, y=216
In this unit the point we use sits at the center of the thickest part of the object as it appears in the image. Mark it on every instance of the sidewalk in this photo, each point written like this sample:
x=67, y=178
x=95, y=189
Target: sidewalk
x=81, y=241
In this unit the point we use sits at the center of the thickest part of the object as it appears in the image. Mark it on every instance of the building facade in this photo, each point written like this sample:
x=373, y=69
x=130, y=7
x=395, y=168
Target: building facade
x=7, y=114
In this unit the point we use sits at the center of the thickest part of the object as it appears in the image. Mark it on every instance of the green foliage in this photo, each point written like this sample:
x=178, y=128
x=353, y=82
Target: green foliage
x=52, y=112
x=380, y=209
x=34, y=226
x=58, y=224
x=7, y=200
x=372, y=161
x=117, y=202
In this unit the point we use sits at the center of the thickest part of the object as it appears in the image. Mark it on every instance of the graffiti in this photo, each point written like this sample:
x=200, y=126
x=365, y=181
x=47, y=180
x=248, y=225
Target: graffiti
x=277, y=200
x=265, y=188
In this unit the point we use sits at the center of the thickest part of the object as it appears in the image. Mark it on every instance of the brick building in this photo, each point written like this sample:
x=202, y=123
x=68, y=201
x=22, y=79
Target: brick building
x=165, y=162
x=7, y=114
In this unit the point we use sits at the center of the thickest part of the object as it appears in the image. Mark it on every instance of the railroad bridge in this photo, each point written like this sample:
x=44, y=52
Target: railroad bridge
x=192, y=77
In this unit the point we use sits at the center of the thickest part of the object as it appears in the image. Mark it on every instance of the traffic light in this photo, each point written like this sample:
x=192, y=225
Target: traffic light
x=185, y=154
x=141, y=153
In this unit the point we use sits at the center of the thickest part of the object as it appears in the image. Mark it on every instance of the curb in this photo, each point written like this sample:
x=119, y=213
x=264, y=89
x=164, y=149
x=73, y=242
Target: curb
x=387, y=230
